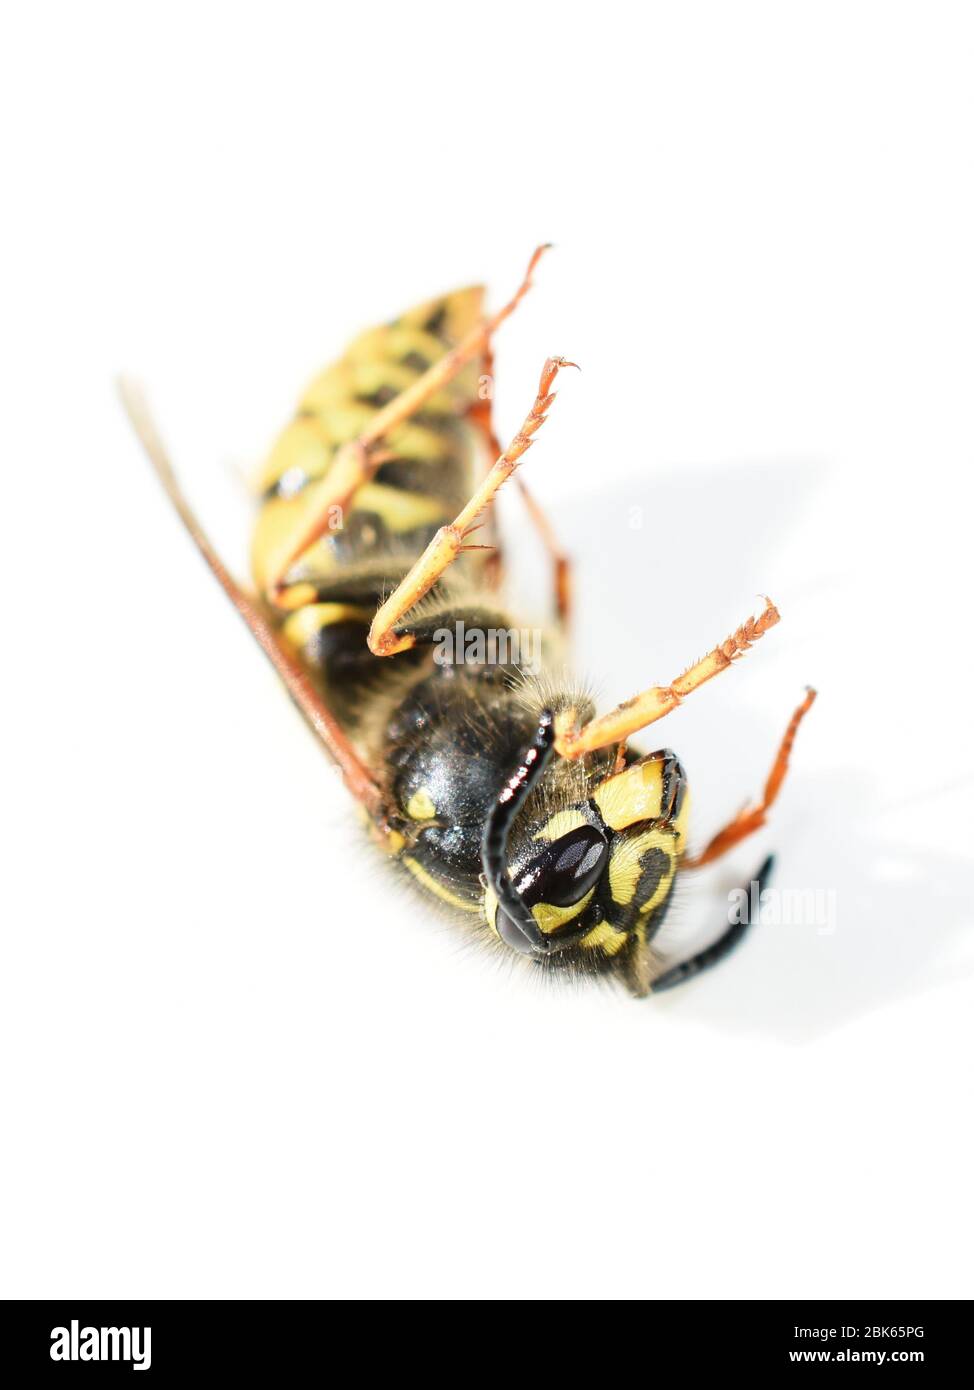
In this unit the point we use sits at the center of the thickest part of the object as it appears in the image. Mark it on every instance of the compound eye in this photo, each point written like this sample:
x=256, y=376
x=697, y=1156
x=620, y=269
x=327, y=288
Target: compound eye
x=574, y=867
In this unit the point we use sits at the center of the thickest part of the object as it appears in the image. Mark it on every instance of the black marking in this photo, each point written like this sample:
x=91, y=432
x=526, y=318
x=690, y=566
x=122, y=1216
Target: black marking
x=652, y=866
x=439, y=478
x=381, y=396
x=674, y=786
x=436, y=322
x=445, y=852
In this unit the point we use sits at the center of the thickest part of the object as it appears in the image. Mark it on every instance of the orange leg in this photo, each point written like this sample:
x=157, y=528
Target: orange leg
x=561, y=565
x=481, y=415
x=650, y=705
x=752, y=818
x=448, y=542
x=356, y=462
x=300, y=687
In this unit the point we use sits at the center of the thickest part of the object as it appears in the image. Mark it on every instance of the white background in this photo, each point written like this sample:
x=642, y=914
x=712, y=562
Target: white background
x=238, y=1060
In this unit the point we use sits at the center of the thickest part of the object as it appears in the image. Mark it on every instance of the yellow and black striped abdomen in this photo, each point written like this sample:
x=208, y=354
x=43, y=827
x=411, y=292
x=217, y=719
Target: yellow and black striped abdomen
x=426, y=476
x=332, y=591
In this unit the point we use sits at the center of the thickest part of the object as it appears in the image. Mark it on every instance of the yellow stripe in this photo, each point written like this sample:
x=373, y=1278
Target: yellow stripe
x=345, y=384
x=606, y=937
x=420, y=806
x=461, y=308
x=332, y=413
x=400, y=510
x=560, y=824
x=547, y=917
x=633, y=795
x=435, y=887
x=304, y=446
x=308, y=621
x=282, y=519
x=550, y=918
x=625, y=866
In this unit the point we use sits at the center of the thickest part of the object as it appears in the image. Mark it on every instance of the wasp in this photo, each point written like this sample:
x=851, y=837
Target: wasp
x=500, y=792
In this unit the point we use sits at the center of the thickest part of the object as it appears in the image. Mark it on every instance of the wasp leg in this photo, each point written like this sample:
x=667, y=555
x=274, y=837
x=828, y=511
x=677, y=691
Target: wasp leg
x=704, y=959
x=299, y=685
x=752, y=818
x=481, y=416
x=650, y=705
x=355, y=463
x=448, y=542
x=561, y=565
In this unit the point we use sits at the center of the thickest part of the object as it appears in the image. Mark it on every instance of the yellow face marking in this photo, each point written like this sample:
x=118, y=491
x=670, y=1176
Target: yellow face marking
x=550, y=918
x=625, y=865
x=433, y=885
x=420, y=806
x=606, y=937
x=560, y=824
x=633, y=795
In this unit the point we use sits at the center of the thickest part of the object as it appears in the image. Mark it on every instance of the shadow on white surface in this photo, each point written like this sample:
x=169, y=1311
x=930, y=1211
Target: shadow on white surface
x=902, y=919
x=710, y=540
